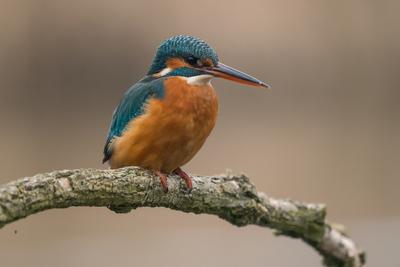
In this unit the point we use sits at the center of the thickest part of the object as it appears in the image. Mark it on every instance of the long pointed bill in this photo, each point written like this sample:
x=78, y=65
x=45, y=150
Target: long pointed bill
x=226, y=72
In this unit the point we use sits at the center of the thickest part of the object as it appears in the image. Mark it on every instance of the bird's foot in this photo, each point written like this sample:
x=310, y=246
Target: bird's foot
x=185, y=177
x=163, y=180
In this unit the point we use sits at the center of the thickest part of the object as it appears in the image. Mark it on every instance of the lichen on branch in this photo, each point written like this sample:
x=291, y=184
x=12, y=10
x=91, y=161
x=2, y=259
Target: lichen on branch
x=232, y=198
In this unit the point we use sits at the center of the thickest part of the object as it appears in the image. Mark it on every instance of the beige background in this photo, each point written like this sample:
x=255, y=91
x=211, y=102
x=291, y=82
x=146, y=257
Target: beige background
x=327, y=132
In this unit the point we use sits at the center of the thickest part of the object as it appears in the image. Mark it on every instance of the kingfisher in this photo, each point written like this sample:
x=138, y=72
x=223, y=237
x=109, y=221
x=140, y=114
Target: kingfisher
x=164, y=119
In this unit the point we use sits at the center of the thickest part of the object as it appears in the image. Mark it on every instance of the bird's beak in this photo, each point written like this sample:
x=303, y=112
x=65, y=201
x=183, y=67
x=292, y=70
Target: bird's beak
x=223, y=71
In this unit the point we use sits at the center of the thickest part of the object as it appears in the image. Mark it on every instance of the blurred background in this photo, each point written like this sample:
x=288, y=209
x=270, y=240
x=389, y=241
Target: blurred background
x=328, y=131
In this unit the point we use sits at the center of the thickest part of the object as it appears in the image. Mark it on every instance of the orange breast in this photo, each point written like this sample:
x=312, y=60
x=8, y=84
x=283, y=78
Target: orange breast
x=171, y=130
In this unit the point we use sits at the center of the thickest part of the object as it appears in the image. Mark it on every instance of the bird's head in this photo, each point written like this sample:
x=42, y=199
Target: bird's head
x=193, y=58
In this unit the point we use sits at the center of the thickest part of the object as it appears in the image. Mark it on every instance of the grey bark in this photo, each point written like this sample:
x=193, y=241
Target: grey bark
x=232, y=198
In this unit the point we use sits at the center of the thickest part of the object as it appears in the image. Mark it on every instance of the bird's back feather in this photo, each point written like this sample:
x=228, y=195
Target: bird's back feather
x=131, y=106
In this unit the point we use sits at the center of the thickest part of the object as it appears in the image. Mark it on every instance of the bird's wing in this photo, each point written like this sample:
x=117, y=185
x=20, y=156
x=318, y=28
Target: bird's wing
x=130, y=107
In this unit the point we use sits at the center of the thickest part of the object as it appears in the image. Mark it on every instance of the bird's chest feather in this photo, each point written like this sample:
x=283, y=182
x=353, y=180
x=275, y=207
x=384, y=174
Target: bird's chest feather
x=195, y=105
x=172, y=129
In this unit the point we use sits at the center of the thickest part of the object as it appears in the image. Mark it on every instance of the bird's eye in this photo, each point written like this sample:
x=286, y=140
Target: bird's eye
x=192, y=60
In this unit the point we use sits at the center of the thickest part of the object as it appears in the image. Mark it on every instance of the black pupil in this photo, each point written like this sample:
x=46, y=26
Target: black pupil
x=192, y=60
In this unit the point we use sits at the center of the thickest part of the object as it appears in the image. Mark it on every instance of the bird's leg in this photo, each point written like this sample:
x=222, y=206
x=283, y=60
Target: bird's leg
x=185, y=177
x=163, y=180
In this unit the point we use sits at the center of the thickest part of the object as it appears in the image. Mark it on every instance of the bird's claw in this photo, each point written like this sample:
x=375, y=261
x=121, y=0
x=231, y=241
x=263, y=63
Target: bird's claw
x=163, y=180
x=185, y=177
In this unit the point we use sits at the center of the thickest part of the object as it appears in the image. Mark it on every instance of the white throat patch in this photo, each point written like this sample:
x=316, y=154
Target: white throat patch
x=164, y=72
x=203, y=79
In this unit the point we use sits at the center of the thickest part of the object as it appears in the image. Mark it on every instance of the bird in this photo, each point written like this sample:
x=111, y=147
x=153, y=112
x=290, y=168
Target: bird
x=164, y=119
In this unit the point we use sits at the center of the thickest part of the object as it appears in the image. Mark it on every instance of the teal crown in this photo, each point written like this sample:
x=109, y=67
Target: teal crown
x=186, y=47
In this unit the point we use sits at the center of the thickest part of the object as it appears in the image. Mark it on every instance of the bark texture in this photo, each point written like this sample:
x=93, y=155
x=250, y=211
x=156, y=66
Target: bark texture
x=232, y=198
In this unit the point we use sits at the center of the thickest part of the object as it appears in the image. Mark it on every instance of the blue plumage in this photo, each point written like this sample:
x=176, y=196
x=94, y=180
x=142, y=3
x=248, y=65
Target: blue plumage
x=184, y=72
x=131, y=106
x=182, y=46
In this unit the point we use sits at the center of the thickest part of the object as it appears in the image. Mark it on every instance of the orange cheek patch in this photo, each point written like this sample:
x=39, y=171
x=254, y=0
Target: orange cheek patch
x=175, y=63
x=208, y=62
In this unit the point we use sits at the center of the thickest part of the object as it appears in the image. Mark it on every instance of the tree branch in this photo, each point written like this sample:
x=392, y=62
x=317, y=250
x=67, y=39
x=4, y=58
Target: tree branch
x=232, y=198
